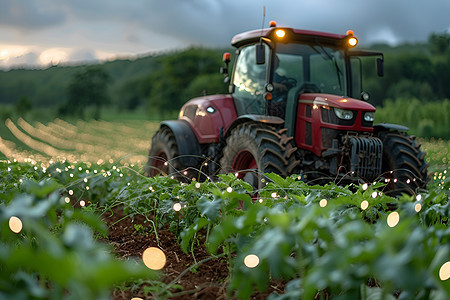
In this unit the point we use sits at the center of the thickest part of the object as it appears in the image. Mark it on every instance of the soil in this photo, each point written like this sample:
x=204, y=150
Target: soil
x=208, y=281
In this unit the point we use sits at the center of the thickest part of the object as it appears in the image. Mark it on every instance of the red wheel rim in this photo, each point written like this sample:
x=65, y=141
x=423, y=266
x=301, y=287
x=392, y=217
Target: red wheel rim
x=243, y=163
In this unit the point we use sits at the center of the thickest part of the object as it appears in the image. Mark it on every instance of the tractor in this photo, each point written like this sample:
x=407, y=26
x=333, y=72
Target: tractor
x=295, y=105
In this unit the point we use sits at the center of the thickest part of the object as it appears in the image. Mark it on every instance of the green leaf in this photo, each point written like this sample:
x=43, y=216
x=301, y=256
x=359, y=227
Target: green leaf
x=188, y=233
x=209, y=208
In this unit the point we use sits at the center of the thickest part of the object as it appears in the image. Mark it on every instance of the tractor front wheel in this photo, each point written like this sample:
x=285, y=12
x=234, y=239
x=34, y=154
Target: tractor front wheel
x=162, y=157
x=256, y=148
x=404, y=166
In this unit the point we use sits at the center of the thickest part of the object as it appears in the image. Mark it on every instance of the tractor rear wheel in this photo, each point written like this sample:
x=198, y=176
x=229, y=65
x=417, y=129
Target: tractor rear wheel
x=162, y=155
x=404, y=167
x=255, y=148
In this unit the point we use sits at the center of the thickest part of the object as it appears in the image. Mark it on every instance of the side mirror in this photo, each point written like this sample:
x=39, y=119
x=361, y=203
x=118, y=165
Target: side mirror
x=380, y=68
x=260, y=54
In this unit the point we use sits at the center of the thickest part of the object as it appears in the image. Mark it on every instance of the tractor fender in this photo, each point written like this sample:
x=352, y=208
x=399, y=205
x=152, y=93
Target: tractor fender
x=187, y=143
x=387, y=126
x=254, y=118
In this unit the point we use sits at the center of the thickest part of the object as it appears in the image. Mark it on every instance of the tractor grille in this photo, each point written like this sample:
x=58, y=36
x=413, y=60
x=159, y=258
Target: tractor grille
x=366, y=156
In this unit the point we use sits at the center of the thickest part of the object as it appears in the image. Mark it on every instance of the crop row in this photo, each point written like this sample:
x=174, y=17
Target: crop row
x=352, y=242
x=86, y=141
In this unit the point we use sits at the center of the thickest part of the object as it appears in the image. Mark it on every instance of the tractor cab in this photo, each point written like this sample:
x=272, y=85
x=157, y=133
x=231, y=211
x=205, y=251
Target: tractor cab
x=275, y=66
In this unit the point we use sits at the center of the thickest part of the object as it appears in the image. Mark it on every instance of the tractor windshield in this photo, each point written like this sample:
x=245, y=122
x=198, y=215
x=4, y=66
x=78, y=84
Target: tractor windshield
x=292, y=69
x=314, y=68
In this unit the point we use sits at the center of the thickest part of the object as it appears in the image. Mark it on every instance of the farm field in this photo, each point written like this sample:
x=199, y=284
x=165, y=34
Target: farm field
x=295, y=241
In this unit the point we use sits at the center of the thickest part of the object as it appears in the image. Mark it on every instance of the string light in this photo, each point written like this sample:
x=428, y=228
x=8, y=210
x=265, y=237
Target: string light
x=444, y=271
x=15, y=224
x=393, y=219
x=417, y=207
x=323, y=202
x=177, y=206
x=154, y=258
x=364, y=205
x=251, y=261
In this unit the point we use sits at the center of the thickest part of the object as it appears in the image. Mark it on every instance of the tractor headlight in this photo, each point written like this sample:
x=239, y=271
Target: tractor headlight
x=343, y=114
x=369, y=116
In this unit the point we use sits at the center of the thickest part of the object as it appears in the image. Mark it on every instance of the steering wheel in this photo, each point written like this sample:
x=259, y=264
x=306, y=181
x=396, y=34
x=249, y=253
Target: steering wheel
x=290, y=82
x=309, y=87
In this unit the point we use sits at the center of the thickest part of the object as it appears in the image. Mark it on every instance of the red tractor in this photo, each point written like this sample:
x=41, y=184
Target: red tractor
x=293, y=108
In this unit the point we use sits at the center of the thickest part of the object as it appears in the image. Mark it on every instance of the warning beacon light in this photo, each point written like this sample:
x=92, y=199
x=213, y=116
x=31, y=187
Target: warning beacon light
x=352, y=41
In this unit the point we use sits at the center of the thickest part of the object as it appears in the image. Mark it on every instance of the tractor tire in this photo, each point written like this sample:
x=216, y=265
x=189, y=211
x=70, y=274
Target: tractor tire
x=404, y=167
x=255, y=148
x=162, y=156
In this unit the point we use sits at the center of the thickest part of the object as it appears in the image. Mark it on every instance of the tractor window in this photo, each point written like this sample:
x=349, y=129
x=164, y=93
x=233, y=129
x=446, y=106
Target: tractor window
x=356, y=69
x=314, y=68
x=249, y=80
x=327, y=69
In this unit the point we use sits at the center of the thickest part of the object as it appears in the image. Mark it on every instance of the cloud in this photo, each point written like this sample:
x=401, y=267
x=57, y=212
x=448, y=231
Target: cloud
x=29, y=15
x=140, y=26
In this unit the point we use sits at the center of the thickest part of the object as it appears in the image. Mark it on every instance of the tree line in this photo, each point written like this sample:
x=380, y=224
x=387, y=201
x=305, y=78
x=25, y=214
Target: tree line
x=163, y=82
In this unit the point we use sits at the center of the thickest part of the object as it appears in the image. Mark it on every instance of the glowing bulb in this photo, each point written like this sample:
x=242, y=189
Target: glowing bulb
x=177, y=207
x=374, y=194
x=393, y=219
x=251, y=261
x=365, y=186
x=154, y=258
x=352, y=41
x=82, y=203
x=444, y=271
x=197, y=185
x=419, y=197
x=15, y=224
x=417, y=207
x=364, y=204
x=229, y=189
x=67, y=200
x=323, y=202
x=280, y=33
x=273, y=195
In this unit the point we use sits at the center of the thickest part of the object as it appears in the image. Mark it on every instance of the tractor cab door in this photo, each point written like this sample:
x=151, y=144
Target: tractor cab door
x=249, y=81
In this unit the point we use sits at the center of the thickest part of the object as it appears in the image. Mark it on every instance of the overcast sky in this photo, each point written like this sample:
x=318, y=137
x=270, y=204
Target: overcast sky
x=45, y=32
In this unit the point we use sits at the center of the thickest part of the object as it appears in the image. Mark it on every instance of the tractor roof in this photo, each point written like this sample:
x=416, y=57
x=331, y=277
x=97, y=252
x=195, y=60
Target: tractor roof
x=292, y=34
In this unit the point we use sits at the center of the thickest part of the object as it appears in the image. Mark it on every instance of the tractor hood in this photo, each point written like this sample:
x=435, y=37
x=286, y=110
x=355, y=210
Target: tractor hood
x=335, y=101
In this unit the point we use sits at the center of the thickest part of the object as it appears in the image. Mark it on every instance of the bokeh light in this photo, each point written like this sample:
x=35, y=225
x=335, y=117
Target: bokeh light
x=323, y=202
x=15, y=224
x=364, y=204
x=417, y=207
x=444, y=271
x=154, y=258
x=393, y=219
x=251, y=261
x=177, y=206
